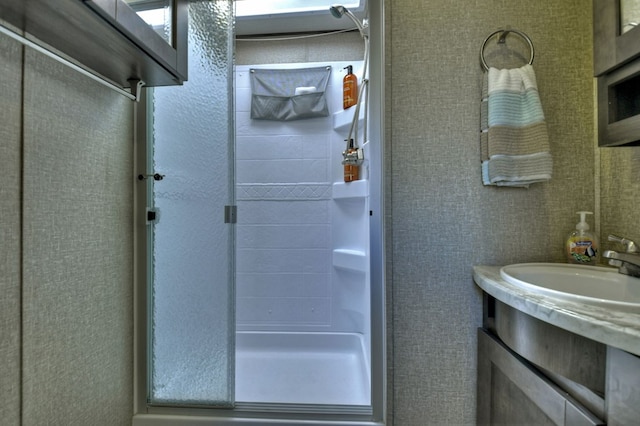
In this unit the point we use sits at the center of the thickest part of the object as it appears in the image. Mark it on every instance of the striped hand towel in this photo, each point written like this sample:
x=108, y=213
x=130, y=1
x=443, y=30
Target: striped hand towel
x=513, y=140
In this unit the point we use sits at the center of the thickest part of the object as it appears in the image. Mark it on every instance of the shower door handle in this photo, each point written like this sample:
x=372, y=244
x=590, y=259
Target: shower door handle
x=156, y=176
x=230, y=214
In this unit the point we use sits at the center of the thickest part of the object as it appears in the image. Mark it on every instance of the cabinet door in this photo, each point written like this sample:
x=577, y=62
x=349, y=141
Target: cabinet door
x=623, y=387
x=106, y=37
x=169, y=49
x=615, y=41
x=511, y=391
x=619, y=106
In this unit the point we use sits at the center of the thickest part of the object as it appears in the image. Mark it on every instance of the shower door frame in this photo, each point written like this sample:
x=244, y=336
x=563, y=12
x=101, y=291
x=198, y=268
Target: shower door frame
x=322, y=415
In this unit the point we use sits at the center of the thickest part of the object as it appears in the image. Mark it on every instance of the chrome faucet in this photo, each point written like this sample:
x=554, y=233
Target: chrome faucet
x=628, y=263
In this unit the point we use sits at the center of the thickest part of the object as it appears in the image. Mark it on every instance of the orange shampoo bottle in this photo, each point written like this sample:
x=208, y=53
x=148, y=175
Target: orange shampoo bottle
x=351, y=168
x=349, y=88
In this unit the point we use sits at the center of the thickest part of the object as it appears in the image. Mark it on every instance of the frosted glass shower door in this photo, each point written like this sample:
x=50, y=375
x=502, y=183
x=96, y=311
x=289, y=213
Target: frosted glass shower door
x=192, y=299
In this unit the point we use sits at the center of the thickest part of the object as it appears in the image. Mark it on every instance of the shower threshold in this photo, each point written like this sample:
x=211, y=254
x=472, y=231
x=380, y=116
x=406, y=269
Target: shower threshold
x=302, y=368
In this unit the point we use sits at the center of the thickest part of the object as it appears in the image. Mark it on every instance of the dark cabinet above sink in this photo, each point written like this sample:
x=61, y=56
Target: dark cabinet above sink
x=106, y=36
x=616, y=63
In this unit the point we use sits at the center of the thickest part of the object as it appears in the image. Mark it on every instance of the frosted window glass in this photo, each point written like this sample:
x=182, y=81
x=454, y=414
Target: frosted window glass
x=193, y=327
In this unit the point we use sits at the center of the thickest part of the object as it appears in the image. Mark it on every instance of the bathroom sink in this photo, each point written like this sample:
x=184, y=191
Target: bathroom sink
x=585, y=284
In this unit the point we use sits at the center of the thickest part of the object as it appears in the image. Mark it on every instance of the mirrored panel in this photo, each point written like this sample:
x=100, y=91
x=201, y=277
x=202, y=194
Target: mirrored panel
x=629, y=15
x=156, y=13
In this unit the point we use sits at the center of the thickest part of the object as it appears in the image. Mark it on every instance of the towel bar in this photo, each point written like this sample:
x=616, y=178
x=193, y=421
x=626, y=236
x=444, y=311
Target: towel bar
x=503, y=34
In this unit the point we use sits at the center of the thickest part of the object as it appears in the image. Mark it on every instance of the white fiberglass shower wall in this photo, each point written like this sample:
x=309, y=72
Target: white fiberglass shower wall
x=302, y=275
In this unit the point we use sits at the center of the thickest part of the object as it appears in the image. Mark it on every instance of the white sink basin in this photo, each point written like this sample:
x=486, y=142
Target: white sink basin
x=585, y=284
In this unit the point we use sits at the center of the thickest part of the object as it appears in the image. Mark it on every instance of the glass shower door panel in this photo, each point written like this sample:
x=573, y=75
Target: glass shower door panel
x=192, y=312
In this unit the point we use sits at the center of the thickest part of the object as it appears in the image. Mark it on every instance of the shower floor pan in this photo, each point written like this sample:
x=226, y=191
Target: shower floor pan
x=302, y=368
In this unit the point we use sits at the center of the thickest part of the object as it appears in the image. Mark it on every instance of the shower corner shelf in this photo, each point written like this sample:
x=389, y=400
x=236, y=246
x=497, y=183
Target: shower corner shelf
x=342, y=119
x=355, y=189
x=350, y=259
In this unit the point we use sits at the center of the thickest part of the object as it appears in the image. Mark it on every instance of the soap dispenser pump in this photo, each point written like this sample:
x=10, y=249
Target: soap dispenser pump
x=582, y=245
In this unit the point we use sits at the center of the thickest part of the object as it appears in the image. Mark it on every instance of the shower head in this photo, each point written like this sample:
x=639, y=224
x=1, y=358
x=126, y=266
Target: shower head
x=339, y=11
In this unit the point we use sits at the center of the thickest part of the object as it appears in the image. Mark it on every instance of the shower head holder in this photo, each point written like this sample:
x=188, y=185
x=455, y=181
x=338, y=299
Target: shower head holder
x=338, y=11
x=354, y=157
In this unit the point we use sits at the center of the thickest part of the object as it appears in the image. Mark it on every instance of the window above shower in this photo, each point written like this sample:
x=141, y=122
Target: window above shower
x=290, y=16
x=262, y=7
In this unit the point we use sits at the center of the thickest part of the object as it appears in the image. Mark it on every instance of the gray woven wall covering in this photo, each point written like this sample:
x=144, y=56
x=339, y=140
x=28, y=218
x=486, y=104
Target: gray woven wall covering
x=71, y=305
x=443, y=220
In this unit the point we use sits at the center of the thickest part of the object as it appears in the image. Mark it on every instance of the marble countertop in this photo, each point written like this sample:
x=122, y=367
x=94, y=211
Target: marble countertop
x=614, y=328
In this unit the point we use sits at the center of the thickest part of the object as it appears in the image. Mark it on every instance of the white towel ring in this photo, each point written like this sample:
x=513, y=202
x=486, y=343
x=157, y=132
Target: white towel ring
x=503, y=34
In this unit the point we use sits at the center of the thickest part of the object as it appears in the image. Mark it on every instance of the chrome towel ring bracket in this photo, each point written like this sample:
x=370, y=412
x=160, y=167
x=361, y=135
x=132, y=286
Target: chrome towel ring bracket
x=501, y=40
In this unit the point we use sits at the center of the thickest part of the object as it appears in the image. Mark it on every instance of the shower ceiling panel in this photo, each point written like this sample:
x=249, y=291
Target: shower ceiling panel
x=275, y=16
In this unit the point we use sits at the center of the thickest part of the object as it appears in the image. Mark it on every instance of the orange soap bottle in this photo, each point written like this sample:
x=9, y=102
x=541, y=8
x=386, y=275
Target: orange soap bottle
x=351, y=170
x=349, y=88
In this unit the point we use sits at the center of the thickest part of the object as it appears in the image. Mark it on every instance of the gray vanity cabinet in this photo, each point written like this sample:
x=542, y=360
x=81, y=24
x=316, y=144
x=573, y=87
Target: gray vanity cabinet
x=533, y=372
x=511, y=391
x=623, y=388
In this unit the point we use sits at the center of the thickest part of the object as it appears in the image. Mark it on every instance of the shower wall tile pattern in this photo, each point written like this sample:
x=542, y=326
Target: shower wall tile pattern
x=284, y=192
x=284, y=173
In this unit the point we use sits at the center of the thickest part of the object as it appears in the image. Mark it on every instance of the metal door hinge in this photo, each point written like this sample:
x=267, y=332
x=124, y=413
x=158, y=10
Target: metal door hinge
x=230, y=214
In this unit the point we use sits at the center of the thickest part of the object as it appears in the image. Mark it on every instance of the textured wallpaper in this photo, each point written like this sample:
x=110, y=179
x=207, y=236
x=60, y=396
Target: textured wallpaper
x=444, y=221
x=10, y=157
x=619, y=191
x=77, y=249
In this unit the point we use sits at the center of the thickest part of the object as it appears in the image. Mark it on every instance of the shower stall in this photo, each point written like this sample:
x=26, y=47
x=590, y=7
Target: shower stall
x=265, y=268
x=302, y=265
